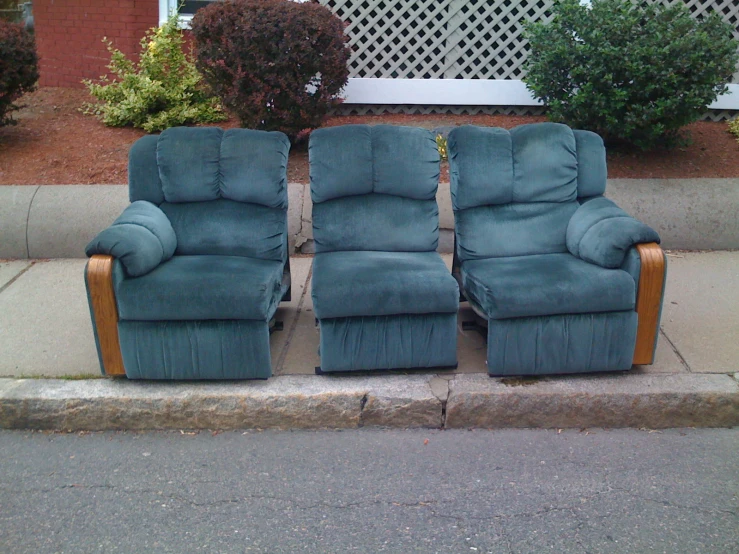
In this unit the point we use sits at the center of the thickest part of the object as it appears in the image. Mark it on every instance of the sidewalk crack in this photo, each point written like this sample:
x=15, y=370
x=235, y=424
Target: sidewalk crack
x=443, y=396
x=14, y=279
x=28, y=218
x=675, y=350
x=290, y=332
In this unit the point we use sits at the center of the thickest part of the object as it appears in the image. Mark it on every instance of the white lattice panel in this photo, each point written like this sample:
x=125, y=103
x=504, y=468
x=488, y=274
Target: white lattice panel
x=461, y=39
x=457, y=39
x=437, y=39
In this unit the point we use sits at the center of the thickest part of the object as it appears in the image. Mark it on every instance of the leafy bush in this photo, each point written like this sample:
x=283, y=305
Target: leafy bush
x=631, y=72
x=277, y=65
x=162, y=90
x=442, y=145
x=18, y=68
x=734, y=128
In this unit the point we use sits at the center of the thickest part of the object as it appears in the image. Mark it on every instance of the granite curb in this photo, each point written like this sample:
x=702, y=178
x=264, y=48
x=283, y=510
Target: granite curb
x=403, y=401
x=57, y=221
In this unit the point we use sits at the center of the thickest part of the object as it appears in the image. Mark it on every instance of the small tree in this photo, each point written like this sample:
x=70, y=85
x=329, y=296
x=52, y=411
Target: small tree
x=630, y=72
x=18, y=68
x=162, y=90
x=277, y=65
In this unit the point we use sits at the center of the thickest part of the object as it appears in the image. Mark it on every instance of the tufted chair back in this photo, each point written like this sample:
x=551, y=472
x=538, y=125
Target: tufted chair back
x=224, y=192
x=514, y=192
x=374, y=188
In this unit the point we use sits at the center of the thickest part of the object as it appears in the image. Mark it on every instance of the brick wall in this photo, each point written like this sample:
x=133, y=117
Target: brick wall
x=69, y=35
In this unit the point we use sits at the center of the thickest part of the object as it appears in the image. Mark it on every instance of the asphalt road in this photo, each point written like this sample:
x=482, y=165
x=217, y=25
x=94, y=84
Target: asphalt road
x=371, y=491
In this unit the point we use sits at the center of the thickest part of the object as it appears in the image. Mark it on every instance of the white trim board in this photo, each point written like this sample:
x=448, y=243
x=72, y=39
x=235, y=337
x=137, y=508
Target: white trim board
x=465, y=92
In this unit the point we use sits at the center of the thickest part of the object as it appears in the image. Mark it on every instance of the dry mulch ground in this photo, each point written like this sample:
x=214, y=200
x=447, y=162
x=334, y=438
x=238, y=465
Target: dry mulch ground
x=54, y=143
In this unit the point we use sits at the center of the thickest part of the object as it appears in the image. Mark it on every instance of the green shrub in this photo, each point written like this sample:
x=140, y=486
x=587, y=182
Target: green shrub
x=18, y=68
x=630, y=72
x=163, y=89
x=442, y=144
x=734, y=128
x=277, y=65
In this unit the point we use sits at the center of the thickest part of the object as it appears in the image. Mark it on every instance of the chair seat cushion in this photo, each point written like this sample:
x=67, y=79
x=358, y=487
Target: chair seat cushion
x=368, y=283
x=545, y=284
x=201, y=288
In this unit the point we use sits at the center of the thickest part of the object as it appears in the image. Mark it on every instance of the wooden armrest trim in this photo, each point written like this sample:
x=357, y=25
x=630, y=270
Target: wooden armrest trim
x=649, y=300
x=105, y=312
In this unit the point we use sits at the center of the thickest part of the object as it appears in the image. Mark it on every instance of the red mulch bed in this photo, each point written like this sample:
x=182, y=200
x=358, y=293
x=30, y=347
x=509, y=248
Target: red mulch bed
x=54, y=143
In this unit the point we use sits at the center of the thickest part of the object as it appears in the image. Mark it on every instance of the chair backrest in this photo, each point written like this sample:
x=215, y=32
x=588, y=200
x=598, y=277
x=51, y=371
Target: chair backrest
x=225, y=192
x=374, y=188
x=514, y=192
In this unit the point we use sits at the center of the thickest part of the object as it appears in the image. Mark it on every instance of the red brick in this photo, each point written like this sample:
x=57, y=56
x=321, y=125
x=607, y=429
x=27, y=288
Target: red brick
x=69, y=35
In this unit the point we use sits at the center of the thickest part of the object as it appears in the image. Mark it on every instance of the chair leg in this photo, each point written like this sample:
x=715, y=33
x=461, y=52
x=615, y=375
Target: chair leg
x=649, y=301
x=99, y=274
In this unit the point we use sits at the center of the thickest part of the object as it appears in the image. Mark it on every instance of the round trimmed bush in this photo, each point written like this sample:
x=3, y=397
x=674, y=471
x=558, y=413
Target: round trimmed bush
x=630, y=72
x=277, y=65
x=18, y=67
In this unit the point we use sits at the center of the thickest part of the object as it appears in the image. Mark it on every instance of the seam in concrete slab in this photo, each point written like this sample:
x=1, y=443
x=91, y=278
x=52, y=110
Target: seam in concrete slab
x=298, y=238
x=28, y=218
x=440, y=389
x=283, y=353
x=675, y=350
x=14, y=279
x=362, y=414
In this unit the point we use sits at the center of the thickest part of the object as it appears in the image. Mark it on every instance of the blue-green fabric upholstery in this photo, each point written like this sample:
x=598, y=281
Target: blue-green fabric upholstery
x=195, y=349
x=575, y=343
x=540, y=252
x=210, y=253
x=383, y=296
x=142, y=238
x=374, y=188
x=203, y=287
x=592, y=172
x=227, y=228
x=512, y=229
x=388, y=342
x=143, y=172
x=200, y=164
x=632, y=266
x=376, y=222
x=348, y=284
x=382, y=159
x=601, y=233
x=545, y=284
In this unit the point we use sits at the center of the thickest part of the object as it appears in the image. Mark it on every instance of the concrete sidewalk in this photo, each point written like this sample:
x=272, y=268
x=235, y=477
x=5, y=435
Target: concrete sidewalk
x=45, y=332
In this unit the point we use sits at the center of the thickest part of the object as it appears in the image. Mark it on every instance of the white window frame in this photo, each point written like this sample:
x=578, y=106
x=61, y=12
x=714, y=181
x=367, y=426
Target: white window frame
x=167, y=7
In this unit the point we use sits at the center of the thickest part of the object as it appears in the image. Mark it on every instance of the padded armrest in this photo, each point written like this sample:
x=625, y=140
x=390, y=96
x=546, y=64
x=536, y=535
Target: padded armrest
x=141, y=238
x=601, y=233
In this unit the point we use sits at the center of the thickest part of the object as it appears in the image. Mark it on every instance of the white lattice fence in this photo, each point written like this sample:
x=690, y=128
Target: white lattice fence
x=438, y=43
x=437, y=39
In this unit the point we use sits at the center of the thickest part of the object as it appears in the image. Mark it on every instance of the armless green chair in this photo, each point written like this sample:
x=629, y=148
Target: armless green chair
x=186, y=281
x=382, y=295
x=566, y=281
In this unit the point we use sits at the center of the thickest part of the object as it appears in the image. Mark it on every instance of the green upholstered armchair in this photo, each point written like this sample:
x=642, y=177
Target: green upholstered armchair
x=184, y=284
x=382, y=295
x=566, y=281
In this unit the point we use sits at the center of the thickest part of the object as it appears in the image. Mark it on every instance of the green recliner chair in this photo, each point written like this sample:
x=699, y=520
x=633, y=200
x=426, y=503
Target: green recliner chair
x=382, y=295
x=565, y=280
x=185, y=283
